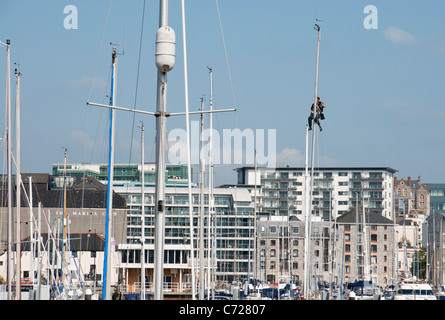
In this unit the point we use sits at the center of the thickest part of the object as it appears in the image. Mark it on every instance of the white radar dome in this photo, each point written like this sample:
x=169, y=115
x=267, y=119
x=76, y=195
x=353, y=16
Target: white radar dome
x=165, y=48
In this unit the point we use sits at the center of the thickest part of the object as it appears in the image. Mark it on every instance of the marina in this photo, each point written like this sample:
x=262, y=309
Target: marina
x=153, y=228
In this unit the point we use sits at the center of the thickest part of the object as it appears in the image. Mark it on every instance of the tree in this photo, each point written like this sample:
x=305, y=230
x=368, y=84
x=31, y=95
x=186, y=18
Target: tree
x=419, y=261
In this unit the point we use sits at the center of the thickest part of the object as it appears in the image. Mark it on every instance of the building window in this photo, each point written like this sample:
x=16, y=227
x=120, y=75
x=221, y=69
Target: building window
x=373, y=237
x=374, y=248
x=295, y=253
x=272, y=252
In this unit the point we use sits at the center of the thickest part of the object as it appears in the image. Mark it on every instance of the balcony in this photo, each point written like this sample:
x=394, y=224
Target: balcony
x=166, y=287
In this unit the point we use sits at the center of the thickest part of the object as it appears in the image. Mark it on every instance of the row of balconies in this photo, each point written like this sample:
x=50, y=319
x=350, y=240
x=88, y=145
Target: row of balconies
x=323, y=177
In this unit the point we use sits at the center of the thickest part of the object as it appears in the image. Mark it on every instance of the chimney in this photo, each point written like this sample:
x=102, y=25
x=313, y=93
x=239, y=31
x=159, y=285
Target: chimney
x=409, y=181
x=395, y=181
x=419, y=179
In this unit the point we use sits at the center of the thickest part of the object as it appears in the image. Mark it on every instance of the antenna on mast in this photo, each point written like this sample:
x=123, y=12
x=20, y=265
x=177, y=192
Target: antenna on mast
x=116, y=45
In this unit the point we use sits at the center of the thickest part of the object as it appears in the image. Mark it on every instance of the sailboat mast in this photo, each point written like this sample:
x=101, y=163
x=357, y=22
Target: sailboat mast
x=201, y=215
x=18, y=189
x=307, y=208
x=9, y=166
x=165, y=57
x=365, y=242
x=64, y=221
x=211, y=233
x=142, y=215
x=106, y=294
x=31, y=231
x=39, y=259
x=189, y=174
x=309, y=213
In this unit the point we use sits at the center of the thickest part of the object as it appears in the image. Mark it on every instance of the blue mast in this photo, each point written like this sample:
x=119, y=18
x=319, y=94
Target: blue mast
x=108, y=218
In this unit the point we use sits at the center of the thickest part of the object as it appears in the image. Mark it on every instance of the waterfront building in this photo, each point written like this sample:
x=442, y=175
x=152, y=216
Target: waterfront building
x=411, y=197
x=281, y=250
x=233, y=233
x=176, y=174
x=85, y=218
x=83, y=265
x=336, y=190
x=437, y=194
x=367, y=249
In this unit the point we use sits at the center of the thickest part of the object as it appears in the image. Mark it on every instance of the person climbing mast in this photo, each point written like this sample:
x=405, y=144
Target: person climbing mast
x=319, y=114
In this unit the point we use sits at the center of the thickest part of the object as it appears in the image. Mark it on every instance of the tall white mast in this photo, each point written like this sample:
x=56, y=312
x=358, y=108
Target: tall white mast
x=18, y=190
x=165, y=58
x=39, y=259
x=189, y=170
x=142, y=215
x=367, y=276
x=31, y=231
x=210, y=221
x=256, y=259
x=106, y=294
x=307, y=209
x=9, y=167
x=309, y=213
x=201, y=215
x=65, y=221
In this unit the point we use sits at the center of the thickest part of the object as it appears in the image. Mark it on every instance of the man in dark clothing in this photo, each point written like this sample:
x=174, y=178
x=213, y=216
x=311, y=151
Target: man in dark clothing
x=319, y=114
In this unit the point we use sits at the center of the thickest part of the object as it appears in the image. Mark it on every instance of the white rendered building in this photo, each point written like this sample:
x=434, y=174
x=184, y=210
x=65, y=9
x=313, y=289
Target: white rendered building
x=336, y=189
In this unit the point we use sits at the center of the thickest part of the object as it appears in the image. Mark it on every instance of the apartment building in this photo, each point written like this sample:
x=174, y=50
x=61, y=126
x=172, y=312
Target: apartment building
x=336, y=190
x=280, y=253
x=233, y=227
x=367, y=247
x=232, y=233
x=437, y=196
x=123, y=173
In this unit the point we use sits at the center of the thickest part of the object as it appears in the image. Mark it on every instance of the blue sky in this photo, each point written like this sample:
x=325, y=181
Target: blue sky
x=384, y=88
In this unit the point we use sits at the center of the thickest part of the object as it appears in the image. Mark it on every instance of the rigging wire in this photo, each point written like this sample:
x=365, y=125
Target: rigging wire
x=228, y=68
x=89, y=94
x=226, y=56
x=137, y=79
